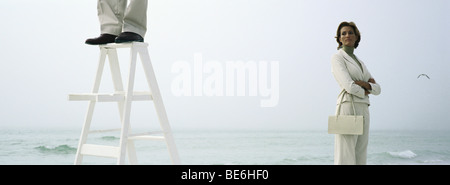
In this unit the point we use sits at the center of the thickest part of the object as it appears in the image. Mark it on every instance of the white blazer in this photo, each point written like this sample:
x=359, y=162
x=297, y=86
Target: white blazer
x=346, y=71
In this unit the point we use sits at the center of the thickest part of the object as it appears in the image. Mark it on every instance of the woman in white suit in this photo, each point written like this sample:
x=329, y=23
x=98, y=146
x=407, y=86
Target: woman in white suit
x=354, y=78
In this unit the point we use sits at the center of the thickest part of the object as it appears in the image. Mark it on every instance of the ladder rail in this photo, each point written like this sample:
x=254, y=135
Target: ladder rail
x=90, y=111
x=159, y=105
x=118, y=87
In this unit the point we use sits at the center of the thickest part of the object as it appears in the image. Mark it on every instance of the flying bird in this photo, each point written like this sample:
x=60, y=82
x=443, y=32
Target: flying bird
x=423, y=75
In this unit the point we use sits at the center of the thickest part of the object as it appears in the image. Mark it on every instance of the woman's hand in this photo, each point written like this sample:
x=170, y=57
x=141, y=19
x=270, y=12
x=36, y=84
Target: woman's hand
x=365, y=85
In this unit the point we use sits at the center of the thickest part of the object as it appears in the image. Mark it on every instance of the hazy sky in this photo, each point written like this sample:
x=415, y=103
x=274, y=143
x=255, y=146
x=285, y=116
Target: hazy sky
x=44, y=59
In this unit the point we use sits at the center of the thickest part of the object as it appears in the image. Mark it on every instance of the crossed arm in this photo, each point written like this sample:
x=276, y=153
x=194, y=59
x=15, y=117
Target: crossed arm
x=345, y=81
x=366, y=85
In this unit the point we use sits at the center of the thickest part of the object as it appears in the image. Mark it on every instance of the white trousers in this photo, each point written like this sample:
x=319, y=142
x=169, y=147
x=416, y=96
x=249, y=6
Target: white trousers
x=116, y=17
x=352, y=149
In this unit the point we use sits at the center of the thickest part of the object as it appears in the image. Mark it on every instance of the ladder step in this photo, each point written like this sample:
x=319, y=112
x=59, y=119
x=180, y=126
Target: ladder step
x=142, y=96
x=146, y=136
x=100, y=150
x=137, y=96
x=107, y=130
x=124, y=45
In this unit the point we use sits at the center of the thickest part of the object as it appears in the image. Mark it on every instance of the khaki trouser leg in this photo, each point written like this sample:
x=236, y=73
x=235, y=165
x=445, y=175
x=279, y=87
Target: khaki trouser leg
x=352, y=149
x=110, y=15
x=135, y=19
x=115, y=17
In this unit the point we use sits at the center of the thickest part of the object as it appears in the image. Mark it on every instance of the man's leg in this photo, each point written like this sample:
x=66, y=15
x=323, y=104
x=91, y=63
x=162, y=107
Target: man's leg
x=135, y=19
x=110, y=15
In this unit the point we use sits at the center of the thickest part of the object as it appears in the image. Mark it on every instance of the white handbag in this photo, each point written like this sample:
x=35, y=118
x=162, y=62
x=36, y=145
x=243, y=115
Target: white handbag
x=346, y=124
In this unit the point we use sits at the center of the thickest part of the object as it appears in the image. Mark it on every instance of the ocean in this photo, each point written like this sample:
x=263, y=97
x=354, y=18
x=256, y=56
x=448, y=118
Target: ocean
x=39, y=146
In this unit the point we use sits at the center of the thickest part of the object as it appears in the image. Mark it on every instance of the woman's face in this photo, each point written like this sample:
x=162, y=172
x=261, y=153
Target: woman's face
x=348, y=36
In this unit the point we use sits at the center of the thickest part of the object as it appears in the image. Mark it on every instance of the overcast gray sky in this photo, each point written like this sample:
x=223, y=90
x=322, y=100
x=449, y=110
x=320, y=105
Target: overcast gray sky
x=44, y=58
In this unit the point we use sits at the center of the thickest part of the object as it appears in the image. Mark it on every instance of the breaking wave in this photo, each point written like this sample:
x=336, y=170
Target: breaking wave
x=61, y=149
x=110, y=138
x=407, y=154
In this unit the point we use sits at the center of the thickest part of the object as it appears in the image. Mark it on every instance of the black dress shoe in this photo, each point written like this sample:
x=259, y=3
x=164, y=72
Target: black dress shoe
x=102, y=39
x=129, y=37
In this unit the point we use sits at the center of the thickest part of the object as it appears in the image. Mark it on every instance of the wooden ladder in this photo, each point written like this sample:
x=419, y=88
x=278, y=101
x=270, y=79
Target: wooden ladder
x=124, y=98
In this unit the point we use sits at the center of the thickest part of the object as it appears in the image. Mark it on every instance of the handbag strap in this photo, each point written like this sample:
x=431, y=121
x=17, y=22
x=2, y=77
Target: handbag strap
x=342, y=99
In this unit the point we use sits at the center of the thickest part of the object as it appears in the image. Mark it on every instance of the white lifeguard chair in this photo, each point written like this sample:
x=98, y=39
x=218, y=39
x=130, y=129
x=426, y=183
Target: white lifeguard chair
x=124, y=98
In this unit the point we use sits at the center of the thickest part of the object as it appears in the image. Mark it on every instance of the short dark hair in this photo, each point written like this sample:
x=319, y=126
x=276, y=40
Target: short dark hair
x=338, y=33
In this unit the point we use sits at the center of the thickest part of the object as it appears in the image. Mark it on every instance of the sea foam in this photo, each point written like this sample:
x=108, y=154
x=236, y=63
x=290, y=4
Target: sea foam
x=407, y=154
